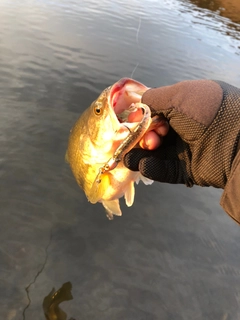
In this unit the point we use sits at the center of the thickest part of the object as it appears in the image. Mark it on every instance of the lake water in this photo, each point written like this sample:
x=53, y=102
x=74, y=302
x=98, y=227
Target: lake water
x=175, y=253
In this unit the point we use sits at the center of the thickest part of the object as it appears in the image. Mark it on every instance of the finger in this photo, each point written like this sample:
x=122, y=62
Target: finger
x=169, y=171
x=153, y=138
x=162, y=129
x=193, y=101
x=133, y=157
x=160, y=125
x=150, y=141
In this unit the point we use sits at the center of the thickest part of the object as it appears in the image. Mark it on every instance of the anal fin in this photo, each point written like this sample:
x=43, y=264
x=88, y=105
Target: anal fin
x=112, y=207
x=145, y=180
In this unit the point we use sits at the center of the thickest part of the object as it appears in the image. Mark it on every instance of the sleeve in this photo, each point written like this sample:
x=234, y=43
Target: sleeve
x=230, y=200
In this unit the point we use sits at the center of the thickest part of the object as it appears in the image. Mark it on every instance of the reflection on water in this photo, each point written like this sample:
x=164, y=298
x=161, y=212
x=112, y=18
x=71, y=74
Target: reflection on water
x=226, y=8
x=225, y=14
x=51, y=302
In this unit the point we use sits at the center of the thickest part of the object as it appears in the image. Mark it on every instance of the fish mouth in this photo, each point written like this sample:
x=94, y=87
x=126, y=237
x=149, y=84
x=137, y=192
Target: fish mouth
x=124, y=94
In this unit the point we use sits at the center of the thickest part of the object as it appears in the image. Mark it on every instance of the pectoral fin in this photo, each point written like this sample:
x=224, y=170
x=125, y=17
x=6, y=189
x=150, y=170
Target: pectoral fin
x=66, y=157
x=99, y=187
x=129, y=194
x=144, y=180
x=112, y=207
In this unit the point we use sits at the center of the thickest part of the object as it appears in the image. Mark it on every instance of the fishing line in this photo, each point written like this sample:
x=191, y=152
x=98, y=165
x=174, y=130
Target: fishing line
x=139, y=26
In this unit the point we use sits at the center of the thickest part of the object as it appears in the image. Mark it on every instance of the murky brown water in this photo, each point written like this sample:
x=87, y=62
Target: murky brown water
x=175, y=253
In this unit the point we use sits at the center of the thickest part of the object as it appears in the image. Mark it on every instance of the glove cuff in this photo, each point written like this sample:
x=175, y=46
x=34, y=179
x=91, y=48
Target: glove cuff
x=231, y=195
x=214, y=152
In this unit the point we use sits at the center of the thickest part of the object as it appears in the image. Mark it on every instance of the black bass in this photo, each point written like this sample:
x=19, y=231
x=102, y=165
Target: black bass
x=101, y=137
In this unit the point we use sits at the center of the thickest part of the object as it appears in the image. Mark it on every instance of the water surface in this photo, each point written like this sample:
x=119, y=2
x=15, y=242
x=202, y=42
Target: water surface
x=174, y=254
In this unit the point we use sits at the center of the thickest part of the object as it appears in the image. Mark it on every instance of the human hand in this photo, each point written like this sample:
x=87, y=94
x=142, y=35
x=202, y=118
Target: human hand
x=197, y=141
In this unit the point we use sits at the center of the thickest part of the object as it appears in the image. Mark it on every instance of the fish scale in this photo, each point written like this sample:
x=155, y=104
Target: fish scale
x=98, y=142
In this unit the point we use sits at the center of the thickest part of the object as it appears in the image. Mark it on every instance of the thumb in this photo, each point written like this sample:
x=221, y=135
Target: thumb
x=190, y=106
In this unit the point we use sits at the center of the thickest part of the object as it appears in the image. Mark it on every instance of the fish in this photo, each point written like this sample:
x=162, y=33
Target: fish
x=101, y=137
x=51, y=302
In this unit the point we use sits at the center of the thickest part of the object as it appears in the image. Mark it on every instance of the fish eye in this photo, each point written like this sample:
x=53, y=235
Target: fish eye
x=98, y=110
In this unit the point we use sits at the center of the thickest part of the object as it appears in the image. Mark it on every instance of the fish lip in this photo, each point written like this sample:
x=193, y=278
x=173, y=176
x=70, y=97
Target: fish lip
x=115, y=91
x=124, y=94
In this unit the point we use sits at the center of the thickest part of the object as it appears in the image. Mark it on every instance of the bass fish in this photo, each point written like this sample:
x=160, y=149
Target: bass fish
x=100, y=138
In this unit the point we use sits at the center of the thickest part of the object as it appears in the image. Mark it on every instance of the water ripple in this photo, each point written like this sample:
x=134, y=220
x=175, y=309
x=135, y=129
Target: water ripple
x=56, y=56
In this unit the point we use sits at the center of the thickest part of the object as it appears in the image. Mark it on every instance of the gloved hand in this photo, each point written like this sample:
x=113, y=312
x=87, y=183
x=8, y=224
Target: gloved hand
x=204, y=119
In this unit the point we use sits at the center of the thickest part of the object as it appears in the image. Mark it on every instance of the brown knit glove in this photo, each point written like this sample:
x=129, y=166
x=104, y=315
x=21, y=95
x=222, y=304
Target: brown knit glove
x=204, y=119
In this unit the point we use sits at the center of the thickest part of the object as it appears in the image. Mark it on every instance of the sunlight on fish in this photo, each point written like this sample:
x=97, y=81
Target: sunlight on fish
x=101, y=137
